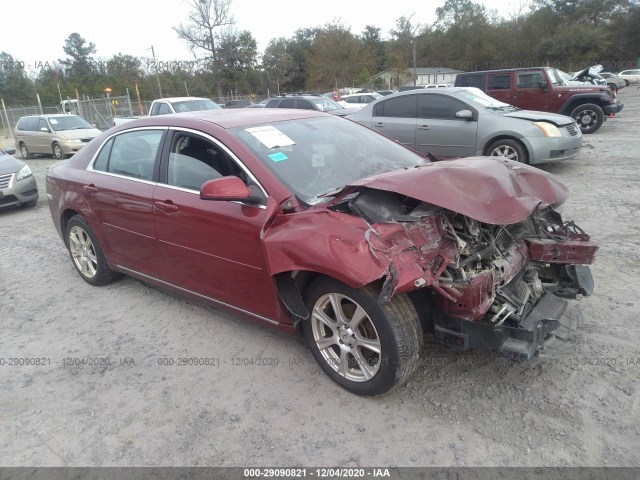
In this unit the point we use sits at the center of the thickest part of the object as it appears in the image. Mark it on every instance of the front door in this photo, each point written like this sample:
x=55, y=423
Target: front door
x=212, y=248
x=440, y=132
x=531, y=91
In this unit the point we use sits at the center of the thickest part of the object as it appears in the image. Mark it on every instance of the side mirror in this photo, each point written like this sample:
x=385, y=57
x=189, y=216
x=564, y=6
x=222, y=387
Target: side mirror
x=44, y=129
x=228, y=189
x=542, y=85
x=465, y=114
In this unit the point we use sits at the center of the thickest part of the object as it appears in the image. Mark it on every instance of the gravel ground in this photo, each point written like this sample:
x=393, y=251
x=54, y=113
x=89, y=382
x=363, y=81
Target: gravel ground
x=575, y=405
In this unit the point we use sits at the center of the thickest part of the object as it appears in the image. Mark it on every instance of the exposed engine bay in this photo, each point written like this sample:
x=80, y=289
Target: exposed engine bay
x=484, y=273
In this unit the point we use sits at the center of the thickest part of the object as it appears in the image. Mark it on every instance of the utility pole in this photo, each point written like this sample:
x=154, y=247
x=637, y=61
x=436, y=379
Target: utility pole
x=415, y=77
x=153, y=54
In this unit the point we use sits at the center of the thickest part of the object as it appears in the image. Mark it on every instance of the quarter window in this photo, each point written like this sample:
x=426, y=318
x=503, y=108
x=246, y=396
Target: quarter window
x=470, y=81
x=164, y=109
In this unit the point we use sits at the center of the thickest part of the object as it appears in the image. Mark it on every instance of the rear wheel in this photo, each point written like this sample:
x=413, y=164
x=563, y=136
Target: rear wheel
x=511, y=149
x=589, y=117
x=24, y=151
x=365, y=347
x=86, y=254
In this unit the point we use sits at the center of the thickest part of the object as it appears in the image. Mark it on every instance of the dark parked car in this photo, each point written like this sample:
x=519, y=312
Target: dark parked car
x=319, y=103
x=319, y=226
x=543, y=89
x=17, y=183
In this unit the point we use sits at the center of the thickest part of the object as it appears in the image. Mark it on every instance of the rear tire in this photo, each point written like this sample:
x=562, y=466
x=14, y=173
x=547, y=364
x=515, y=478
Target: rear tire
x=366, y=348
x=86, y=254
x=589, y=117
x=511, y=149
x=24, y=151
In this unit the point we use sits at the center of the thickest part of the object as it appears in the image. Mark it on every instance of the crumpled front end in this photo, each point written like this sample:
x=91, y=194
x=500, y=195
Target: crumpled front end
x=490, y=275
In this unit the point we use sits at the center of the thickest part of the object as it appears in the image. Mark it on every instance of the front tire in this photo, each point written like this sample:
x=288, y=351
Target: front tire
x=57, y=151
x=366, y=348
x=86, y=255
x=589, y=117
x=511, y=149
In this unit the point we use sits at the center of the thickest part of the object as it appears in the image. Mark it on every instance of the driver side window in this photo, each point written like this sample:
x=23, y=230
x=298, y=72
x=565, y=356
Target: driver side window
x=194, y=160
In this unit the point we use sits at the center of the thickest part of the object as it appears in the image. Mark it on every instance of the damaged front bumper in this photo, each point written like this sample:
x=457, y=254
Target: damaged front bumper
x=551, y=315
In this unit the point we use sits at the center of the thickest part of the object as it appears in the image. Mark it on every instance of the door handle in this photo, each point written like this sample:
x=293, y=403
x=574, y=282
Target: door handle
x=424, y=127
x=518, y=94
x=90, y=189
x=378, y=124
x=167, y=206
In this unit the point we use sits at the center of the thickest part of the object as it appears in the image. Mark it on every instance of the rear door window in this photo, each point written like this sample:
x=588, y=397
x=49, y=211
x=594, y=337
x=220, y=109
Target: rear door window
x=500, y=81
x=400, y=107
x=131, y=154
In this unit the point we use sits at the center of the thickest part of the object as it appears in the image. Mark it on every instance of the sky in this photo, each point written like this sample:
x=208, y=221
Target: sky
x=34, y=31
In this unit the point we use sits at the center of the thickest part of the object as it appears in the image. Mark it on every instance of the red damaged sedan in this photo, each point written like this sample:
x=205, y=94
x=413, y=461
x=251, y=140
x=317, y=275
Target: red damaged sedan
x=325, y=229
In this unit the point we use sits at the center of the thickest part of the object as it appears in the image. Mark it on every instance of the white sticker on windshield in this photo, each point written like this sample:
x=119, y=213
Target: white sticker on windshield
x=53, y=121
x=270, y=136
x=317, y=160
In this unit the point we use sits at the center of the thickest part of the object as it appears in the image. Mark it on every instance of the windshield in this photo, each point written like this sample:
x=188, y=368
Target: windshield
x=479, y=99
x=563, y=78
x=69, y=122
x=317, y=156
x=195, y=105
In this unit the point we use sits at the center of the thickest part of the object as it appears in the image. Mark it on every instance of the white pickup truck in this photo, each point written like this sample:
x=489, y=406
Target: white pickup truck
x=164, y=106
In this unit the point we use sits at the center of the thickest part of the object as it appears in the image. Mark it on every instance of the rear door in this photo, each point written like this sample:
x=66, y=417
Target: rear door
x=499, y=86
x=41, y=138
x=120, y=186
x=439, y=131
x=396, y=118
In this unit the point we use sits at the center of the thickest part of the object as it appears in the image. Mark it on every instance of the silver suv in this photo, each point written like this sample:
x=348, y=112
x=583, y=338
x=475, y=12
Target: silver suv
x=60, y=135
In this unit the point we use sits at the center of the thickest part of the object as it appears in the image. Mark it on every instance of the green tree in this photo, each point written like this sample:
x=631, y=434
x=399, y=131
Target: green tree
x=79, y=68
x=278, y=63
x=335, y=59
x=15, y=87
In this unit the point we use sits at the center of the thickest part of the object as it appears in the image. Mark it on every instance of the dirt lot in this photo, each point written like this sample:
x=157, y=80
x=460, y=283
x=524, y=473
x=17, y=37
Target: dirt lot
x=578, y=405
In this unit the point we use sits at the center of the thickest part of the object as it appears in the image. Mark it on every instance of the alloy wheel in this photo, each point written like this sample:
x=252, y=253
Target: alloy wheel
x=83, y=252
x=346, y=337
x=505, y=151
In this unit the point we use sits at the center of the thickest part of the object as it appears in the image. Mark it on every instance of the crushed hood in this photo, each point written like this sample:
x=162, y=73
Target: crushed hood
x=535, y=116
x=488, y=189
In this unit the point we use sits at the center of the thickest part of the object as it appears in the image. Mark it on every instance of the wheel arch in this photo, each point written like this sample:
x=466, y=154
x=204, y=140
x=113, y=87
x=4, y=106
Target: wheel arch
x=485, y=148
x=67, y=215
x=292, y=286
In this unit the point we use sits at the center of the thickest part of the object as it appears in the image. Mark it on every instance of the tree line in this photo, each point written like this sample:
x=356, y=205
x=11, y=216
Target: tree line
x=465, y=36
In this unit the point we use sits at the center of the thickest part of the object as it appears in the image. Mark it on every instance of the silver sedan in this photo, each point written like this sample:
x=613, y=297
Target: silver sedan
x=465, y=122
x=17, y=183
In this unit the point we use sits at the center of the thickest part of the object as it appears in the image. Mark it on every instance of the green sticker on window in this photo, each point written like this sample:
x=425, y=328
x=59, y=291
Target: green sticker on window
x=278, y=157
